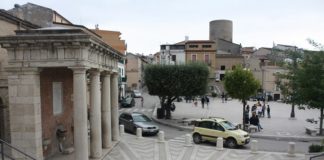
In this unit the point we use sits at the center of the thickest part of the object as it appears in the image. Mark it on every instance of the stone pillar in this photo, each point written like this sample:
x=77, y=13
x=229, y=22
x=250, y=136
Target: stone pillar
x=25, y=111
x=80, y=117
x=95, y=115
x=114, y=107
x=106, y=111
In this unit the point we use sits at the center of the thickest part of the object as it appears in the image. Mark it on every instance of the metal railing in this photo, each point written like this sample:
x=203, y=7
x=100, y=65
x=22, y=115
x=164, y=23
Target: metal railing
x=321, y=156
x=4, y=155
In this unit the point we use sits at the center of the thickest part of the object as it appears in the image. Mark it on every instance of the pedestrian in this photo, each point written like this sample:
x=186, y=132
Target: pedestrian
x=263, y=110
x=254, y=120
x=202, y=101
x=259, y=111
x=246, y=116
x=142, y=101
x=268, y=111
x=253, y=109
x=223, y=97
x=248, y=108
x=207, y=100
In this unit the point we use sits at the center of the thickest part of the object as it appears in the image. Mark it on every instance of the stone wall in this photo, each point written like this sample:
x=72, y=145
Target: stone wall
x=51, y=122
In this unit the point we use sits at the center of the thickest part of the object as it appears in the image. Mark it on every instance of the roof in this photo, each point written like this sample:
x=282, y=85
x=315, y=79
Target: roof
x=217, y=119
x=16, y=19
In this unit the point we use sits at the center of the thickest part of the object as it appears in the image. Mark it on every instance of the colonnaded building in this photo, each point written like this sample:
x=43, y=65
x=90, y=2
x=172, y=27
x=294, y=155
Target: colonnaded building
x=61, y=83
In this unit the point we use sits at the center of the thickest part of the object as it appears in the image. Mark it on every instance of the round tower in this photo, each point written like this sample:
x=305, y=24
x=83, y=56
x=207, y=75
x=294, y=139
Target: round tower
x=221, y=29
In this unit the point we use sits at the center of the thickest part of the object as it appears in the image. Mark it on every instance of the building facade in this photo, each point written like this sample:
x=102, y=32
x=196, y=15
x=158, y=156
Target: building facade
x=135, y=71
x=9, y=24
x=53, y=105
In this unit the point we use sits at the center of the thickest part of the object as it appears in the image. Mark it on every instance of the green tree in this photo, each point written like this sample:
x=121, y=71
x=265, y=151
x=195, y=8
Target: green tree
x=241, y=84
x=310, y=81
x=171, y=81
x=287, y=80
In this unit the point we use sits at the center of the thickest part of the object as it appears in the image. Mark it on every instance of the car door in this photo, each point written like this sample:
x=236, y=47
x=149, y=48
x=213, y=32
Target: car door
x=205, y=128
x=218, y=131
x=127, y=121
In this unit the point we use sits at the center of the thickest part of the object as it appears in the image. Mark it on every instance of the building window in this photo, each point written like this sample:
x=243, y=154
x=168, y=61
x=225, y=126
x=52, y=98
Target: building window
x=193, y=46
x=206, y=46
x=193, y=57
x=222, y=67
x=57, y=98
x=207, y=58
x=174, y=57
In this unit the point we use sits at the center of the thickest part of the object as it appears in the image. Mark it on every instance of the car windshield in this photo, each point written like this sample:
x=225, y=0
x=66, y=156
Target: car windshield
x=228, y=125
x=141, y=118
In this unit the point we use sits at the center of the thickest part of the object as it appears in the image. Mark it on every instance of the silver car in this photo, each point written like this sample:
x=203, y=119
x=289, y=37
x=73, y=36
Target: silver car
x=132, y=121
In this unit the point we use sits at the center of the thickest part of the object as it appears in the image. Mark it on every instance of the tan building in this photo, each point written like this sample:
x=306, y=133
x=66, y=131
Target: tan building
x=135, y=71
x=265, y=70
x=226, y=62
x=203, y=51
x=113, y=39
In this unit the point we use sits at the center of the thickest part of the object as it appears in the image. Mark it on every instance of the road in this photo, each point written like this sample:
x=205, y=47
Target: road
x=174, y=134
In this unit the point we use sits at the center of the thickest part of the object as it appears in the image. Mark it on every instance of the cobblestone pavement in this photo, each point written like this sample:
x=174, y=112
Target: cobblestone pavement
x=133, y=148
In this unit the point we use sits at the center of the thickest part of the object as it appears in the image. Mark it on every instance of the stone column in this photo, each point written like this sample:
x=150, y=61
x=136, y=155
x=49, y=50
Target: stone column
x=95, y=115
x=80, y=114
x=106, y=111
x=114, y=107
x=25, y=111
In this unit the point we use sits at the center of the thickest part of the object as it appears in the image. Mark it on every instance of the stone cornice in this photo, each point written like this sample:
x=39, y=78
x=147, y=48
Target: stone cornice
x=59, y=48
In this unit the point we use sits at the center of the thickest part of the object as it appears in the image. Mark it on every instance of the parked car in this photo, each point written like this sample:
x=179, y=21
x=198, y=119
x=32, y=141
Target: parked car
x=132, y=121
x=211, y=128
x=136, y=94
x=127, y=102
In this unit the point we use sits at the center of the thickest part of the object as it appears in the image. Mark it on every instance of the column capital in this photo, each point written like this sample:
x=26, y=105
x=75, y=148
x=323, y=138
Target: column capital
x=105, y=73
x=78, y=70
x=94, y=71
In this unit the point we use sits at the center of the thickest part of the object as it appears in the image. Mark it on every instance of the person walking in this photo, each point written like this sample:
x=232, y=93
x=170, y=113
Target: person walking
x=202, y=101
x=207, y=101
x=263, y=110
x=268, y=111
x=223, y=97
x=142, y=101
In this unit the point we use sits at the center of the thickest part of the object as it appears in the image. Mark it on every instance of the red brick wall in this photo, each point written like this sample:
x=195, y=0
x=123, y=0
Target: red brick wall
x=49, y=121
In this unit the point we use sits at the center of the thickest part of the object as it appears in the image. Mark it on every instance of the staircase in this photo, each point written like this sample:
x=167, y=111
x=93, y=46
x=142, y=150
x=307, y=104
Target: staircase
x=5, y=153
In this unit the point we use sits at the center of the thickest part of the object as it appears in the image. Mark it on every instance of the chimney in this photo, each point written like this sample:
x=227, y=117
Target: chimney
x=186, y=38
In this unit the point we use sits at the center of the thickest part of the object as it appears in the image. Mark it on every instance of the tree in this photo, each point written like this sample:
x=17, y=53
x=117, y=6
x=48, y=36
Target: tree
x=241, y=84
x=171, y=81
x=287, y=80
x=310, y=82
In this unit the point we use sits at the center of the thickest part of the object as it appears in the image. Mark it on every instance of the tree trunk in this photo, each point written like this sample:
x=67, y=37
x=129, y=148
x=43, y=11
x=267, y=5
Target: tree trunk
x=244, y=103
x=321, y=123
x=292, y=113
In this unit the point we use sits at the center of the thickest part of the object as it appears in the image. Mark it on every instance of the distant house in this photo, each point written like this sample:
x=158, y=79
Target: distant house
x=135, y=71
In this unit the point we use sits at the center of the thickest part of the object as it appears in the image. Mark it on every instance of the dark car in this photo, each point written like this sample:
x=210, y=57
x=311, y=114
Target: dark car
x=132, y=121
x=127, y=102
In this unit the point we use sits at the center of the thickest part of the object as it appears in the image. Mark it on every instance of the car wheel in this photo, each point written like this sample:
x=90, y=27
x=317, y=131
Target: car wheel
x=196, y=138
x=231, y=143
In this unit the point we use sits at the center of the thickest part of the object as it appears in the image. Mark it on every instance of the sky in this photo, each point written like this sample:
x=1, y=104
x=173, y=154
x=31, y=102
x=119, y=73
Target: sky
x=146, y=24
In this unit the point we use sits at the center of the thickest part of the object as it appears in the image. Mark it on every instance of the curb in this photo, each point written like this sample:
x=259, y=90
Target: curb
x=269, y=137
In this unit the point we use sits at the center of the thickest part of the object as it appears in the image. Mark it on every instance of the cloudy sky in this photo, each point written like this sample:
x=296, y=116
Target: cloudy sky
x=146, y=24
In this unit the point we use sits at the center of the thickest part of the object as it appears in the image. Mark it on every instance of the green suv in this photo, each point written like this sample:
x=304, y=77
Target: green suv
x=211, y=128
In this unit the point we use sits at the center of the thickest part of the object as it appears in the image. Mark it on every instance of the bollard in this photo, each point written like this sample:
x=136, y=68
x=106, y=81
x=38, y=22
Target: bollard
x=291, y=149
x=219, y=144
x=121, y=130
x=161, y=136
x=139, y=132
x=188, y=140
x=254, y=146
